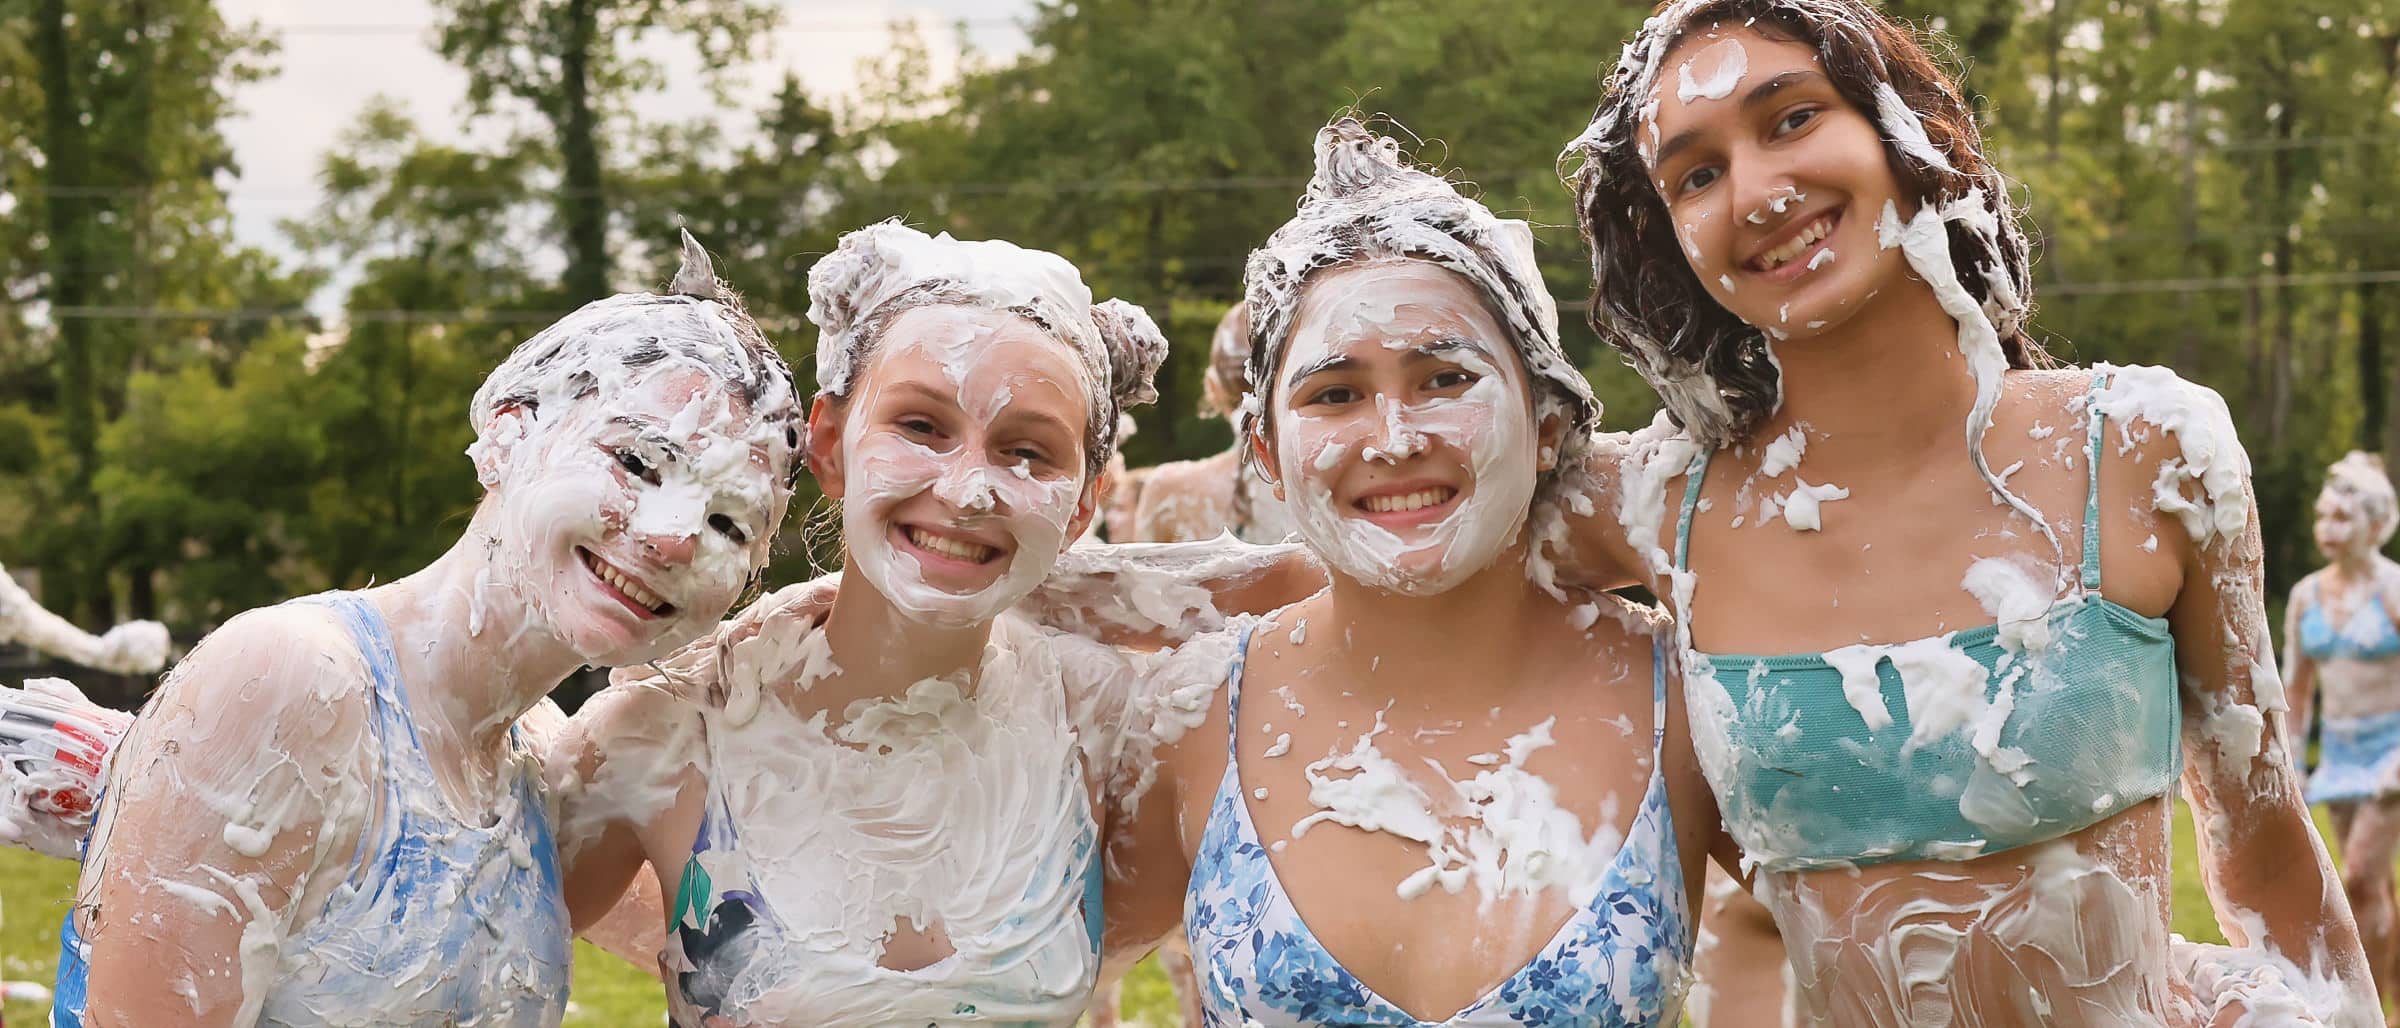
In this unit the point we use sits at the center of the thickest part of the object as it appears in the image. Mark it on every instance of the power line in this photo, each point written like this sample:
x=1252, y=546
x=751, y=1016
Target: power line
x=532, y=316
x=828, y=25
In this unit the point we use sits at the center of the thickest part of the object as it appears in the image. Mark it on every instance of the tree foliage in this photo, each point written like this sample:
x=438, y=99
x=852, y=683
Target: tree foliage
x=2207, y=180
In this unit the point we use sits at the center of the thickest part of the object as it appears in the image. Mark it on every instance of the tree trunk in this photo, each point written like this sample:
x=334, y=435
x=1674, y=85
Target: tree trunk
x=583, y=209
x=2374, y=396
x=2287, y=299
x=77, y=593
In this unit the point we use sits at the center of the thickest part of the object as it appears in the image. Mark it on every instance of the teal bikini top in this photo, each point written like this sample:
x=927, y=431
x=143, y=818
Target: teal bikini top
x=1947, y=748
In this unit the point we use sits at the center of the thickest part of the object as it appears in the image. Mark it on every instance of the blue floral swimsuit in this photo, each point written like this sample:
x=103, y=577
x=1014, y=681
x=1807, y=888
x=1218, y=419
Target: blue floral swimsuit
x=1619, y=961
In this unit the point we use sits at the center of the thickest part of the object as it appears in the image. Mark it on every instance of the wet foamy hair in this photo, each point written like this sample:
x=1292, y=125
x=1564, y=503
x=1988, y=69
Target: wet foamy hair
x=1228, y=350
x=1368, y=202
x=698, y=324
x=2360, y=479
x=884, y=270
x=1711, y=369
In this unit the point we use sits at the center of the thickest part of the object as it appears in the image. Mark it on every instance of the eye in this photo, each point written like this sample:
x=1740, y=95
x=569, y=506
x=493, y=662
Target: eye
x=1331, y=396
x=1451, y=378
x=1795, y=121
x=729, y=529
x=1697, y=178
x=1028, y=454
x=634, y=465
x=917, y=426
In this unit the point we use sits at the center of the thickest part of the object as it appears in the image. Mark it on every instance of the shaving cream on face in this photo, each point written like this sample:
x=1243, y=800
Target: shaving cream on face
x=1369, y=396
x=2357, y=510
x=671, y=485
x=967, y=426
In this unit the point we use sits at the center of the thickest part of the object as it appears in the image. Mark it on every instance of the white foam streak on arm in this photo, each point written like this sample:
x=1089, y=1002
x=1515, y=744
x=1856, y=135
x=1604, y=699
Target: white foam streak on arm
x=1168, y=592
x=2260, y=852
x=132, y=648
x=241, y=781
x=2205, y=481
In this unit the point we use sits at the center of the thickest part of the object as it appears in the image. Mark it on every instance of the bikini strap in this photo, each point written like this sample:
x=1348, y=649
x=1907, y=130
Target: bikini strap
x=387, y=711
x=1233, y=693
x=2091, y=489
x=1691, y=501
x=1659, y=654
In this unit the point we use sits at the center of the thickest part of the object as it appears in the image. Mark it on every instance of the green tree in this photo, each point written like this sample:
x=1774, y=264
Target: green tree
x=574, y=63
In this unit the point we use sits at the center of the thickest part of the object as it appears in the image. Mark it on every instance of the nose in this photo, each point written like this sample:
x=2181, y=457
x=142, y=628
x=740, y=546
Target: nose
x=1395, y=439
x=967, y=485
x=1763, y=192
x=670, y=549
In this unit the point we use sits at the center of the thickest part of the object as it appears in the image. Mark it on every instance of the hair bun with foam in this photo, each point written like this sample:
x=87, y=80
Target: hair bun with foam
x=1135, y=349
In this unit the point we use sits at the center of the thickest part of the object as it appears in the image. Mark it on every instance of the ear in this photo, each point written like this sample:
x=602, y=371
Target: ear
x=824, y=448
x=496, y=439
x=1547, y=437
x=1262, y=457
x=1085, y=506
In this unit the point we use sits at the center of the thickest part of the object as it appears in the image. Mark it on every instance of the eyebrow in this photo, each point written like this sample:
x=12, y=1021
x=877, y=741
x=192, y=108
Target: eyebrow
x=1450, y=344
x=1757, y=95
x=1435, y=349
x=647, y=430
x=1316, y=367
x=1014, y=413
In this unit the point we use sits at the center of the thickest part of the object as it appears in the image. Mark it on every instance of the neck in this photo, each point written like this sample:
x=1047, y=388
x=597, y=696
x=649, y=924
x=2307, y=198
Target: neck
x=1477, y=628
x=872, y=640
x=1888, y=381
x=2354, y=565
x=472, y=653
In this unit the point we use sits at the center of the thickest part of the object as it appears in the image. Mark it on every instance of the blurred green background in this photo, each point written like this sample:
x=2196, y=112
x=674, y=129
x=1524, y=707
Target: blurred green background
x=193, y=422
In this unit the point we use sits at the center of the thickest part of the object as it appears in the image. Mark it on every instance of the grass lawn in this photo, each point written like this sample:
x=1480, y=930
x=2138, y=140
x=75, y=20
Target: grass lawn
x=611, y=994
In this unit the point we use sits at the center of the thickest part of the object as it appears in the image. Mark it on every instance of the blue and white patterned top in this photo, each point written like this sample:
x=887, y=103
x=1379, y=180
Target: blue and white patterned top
x=441, y=922
x=1619, y=961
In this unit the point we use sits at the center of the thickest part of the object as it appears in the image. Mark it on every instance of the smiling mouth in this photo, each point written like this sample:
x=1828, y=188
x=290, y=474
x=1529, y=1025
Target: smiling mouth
x=1406, y=503
x=626, y=588
x=1798, y=246
x=962, y=550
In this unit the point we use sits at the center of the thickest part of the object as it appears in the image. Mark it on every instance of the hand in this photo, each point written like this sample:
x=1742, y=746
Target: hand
x=134, y=648
x=54, y=749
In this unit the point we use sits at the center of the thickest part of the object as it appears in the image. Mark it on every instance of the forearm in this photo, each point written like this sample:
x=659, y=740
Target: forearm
x=1169, y=591
x=25, y=622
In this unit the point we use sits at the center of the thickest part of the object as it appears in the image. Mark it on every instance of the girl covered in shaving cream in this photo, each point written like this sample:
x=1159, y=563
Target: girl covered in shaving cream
x=2342, y=640
x=328, y=816
x=1444, y=790
x=1954, y=626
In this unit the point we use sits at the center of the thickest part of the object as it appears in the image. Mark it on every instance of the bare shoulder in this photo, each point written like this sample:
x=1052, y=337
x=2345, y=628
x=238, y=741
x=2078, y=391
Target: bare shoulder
x=2183, y=435
x=288, y=677
x=1191, y=475
x=1181, y=499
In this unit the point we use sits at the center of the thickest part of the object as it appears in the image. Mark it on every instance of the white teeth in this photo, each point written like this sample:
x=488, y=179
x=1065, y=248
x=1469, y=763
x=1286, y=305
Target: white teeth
x=958, y=549
x=1798, y=244
x=625, y=584
x=1402, y=502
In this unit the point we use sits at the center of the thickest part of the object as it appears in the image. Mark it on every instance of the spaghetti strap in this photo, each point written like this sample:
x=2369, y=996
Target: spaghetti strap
x=1691, y=501
x=1658, y=695
x=1233, y=693
x=2091, y=489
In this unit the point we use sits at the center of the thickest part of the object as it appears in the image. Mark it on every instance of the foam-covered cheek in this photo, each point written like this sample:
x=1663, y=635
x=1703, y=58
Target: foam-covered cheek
x=1487, y=423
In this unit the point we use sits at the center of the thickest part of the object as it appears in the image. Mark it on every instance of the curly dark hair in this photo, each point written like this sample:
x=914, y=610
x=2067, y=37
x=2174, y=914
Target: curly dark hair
x=1712, y=370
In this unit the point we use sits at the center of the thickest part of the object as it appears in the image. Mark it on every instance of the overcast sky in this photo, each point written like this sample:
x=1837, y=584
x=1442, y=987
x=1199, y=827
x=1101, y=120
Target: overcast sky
x=335, y=56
